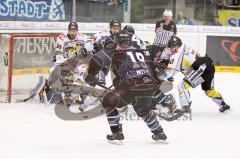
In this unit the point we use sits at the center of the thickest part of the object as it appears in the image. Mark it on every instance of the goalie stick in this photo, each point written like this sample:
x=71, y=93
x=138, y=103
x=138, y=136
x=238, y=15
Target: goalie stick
x=35, y=91
x=99, y=110
x=104, y=93
x=99, y=97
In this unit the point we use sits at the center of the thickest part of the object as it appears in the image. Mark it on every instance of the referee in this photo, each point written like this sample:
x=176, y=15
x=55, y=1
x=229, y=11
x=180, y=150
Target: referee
x=164, y=29
x=166, y=23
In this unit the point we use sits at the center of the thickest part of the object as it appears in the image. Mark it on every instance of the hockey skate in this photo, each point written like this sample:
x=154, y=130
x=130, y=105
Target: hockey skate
x=116, y=138
x=186, y=111
x=161, y=136
x=166, y=108
x=82, y=105
x=224, y=108
x=67, y=99
x=166, y=101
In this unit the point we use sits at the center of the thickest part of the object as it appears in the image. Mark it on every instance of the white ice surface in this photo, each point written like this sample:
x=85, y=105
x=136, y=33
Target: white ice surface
x=33, y=131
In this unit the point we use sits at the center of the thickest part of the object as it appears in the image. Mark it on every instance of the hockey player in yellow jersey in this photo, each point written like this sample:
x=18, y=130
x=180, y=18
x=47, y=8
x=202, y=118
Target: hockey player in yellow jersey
x=73, y=51
x=71, y=44
x=197, y=70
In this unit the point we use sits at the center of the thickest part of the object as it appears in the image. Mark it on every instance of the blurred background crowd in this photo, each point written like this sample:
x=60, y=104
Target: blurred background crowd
x=185, y=12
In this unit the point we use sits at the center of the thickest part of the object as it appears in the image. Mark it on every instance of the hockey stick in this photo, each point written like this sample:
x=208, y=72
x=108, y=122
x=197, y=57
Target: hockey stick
x=172, y=118
x=168, y=68
x=105, y=91
x=48, y=102
x=98, y=97
x=35, y=90
x=107, y=88
x=26, y=99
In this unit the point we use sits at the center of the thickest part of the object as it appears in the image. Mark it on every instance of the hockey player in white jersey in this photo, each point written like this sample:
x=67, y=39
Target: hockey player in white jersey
x=198, y=70
x=71, y=44
x=69, y=64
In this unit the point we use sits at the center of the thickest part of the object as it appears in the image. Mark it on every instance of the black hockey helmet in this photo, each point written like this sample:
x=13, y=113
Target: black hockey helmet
x=123, y=38
x=115, y=23
x=129, y=29
x=73, y=26
x=174, y=41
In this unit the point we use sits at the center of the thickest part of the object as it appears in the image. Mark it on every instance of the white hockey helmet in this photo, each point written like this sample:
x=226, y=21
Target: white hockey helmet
x=167, y=13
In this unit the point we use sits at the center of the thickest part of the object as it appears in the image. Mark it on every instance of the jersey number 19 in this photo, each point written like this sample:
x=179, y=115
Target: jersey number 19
x=137, y=59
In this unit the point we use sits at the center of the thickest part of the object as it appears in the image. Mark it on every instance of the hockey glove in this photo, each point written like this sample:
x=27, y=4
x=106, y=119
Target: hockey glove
x=170, y=79
x=91, y=80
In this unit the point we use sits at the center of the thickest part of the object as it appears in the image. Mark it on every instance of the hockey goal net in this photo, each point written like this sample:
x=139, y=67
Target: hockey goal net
x=23, y=58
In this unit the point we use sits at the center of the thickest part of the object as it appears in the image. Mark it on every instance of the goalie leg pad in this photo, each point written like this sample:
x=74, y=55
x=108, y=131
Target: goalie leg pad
x=53, y=96
x=184, y=94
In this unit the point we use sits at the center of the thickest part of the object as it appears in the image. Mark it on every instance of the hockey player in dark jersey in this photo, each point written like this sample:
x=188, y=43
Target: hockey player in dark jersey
x=159, y=96
x=134, y=83
x=99, y=39
x=136, y=41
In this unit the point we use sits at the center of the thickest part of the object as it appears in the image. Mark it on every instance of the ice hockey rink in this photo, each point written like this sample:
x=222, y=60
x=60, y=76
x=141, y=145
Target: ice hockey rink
x=33, y=131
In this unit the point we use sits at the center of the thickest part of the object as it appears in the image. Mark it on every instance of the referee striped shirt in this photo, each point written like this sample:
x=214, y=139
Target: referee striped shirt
x=162, y=37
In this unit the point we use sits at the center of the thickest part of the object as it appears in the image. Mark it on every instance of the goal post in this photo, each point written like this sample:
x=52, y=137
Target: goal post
x=24, y=57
